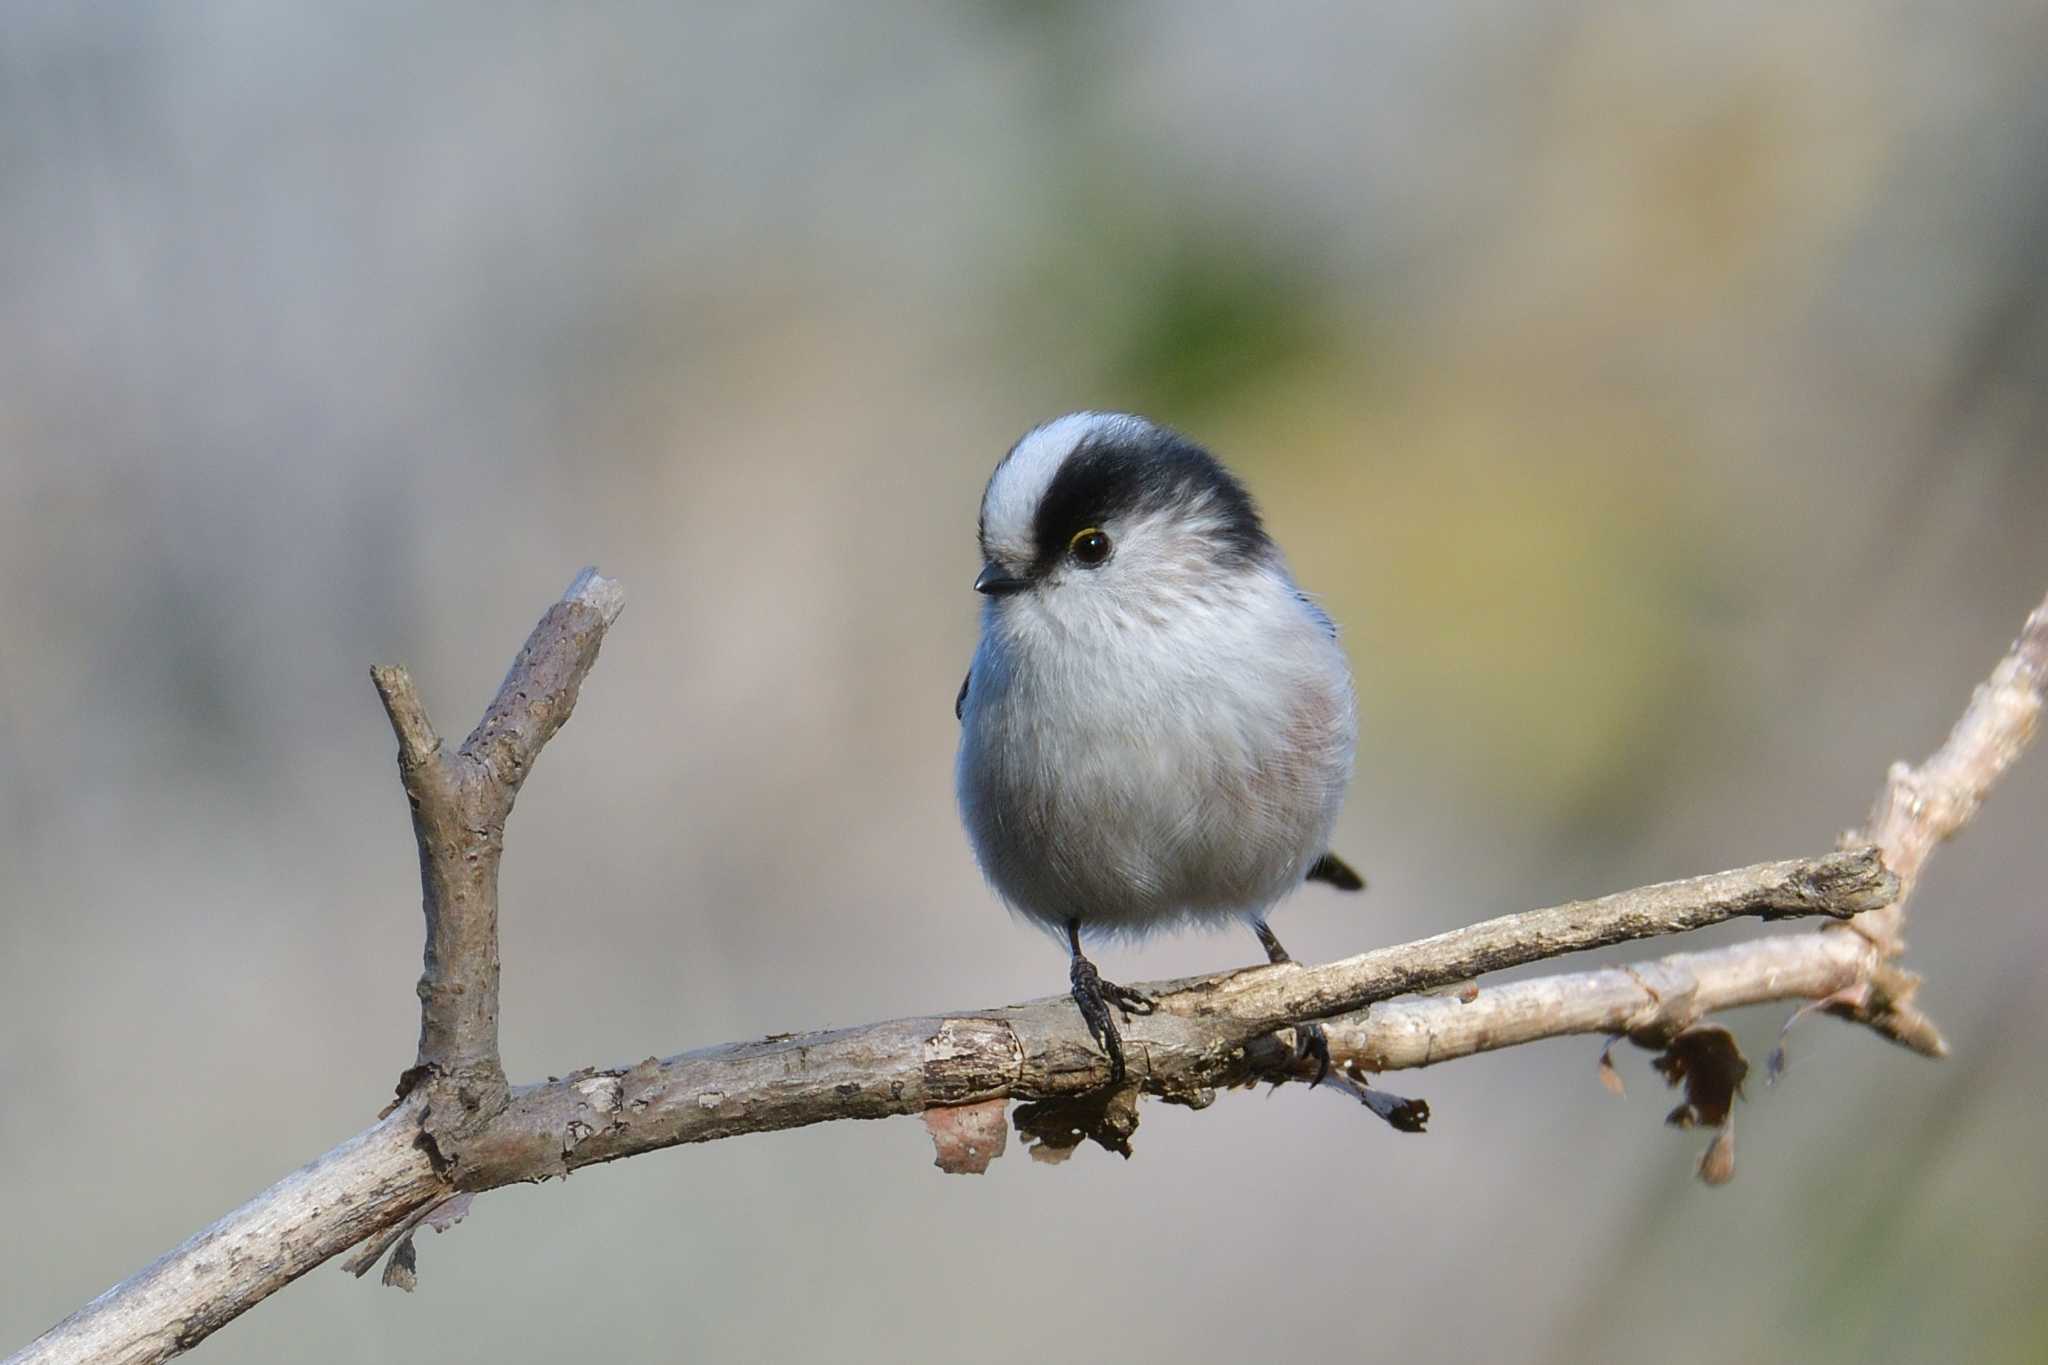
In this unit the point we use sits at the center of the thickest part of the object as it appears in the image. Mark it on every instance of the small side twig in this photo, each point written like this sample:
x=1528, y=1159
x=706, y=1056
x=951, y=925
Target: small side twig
x=1919, y=808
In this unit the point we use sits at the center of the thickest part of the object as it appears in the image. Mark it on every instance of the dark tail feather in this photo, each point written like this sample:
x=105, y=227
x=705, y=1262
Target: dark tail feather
x=1334, y=870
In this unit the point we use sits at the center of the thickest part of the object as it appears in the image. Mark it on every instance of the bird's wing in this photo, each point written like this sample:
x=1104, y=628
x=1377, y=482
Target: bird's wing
x=1334, y=870
x=960, y=702
x=1322, y=618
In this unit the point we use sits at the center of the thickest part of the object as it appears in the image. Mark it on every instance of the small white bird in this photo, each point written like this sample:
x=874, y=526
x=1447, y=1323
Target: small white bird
x=1158, y=725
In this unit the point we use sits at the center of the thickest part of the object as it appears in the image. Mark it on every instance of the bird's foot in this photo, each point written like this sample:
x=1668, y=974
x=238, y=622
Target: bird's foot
x=1311, y=1041
x=1095, y=997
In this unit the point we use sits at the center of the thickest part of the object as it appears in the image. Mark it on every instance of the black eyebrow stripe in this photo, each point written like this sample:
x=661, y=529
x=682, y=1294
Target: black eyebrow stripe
x=1111, y=476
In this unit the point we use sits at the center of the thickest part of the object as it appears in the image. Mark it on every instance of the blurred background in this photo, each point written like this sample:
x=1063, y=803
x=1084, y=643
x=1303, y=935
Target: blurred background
x=1656, y=395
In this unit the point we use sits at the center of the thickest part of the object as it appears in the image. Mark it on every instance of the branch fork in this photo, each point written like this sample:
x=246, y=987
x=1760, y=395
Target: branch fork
x=460, y=802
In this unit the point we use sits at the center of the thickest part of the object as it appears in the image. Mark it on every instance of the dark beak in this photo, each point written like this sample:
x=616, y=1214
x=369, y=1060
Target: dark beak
x=996, y=583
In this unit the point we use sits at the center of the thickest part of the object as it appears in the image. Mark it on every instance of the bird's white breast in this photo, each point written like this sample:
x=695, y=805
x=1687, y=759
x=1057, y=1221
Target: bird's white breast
x=1176, y=755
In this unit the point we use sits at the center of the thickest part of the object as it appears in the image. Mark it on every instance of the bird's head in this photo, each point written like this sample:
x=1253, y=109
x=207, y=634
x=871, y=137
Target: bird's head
x=1098, y=510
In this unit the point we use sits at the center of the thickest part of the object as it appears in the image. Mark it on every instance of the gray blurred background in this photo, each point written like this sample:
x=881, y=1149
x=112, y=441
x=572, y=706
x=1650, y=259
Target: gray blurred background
x=1655, y=394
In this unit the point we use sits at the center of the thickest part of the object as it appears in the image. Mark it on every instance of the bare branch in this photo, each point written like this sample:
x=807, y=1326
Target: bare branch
x=1198, y=1041
x=1916, y=810
x=374, y=1179
x=418, y=745
x=540, y=689
x=1206, y=1036
x=1920, y=808
x=1838, y=886
x=459, y=1128
x=460, y=802
x=1650, y=1001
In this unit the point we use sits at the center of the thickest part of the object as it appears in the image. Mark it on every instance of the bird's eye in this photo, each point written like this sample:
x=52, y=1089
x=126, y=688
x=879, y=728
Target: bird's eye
x=1091, y=547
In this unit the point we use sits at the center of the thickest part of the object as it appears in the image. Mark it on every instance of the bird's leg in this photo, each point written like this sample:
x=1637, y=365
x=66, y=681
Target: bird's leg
x=1309, y=1039
x=1275, y=954
x=1095, y=996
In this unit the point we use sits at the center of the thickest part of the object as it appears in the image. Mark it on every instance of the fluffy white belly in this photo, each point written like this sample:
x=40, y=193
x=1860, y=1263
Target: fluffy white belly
x=1196, y=798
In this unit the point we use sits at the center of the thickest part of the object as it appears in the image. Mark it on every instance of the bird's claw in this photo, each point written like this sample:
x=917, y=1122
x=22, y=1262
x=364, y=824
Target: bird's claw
x=1129, y=1001
x=1095, y=996
x=1310, y=1040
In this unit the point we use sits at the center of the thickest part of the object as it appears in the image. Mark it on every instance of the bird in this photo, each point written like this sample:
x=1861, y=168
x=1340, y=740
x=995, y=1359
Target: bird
x=1158, y=725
